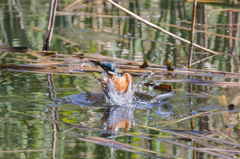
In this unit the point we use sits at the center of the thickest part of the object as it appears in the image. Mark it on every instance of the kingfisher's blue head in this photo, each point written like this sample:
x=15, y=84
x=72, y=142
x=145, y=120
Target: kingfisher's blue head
x=108, y=67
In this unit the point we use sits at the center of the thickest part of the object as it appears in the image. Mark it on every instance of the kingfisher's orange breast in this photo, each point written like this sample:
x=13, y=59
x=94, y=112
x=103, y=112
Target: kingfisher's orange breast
x=119, y=83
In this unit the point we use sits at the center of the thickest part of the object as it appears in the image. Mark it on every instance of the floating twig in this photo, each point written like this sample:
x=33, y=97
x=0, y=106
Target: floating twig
x=160, y=87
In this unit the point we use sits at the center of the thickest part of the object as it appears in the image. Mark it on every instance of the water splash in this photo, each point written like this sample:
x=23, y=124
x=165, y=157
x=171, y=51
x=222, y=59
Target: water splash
x=114, y=97
x=145, y=80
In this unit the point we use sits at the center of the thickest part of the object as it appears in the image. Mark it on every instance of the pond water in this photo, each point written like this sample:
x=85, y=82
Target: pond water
x=66, y=115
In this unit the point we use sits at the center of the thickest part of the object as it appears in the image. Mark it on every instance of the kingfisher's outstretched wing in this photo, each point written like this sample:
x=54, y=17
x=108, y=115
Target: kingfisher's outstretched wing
x=105, y=87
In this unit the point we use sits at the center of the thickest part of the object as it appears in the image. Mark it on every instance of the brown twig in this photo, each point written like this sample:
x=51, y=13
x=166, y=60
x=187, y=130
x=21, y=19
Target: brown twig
x=205, y=58
x=71, y=5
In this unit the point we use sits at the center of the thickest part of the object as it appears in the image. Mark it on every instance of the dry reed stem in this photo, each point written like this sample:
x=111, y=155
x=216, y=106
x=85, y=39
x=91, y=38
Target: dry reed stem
x=223, y=100
x=217, y=149
x=22, y=151
x=159, y=71
x=77, y=49
x=201, y=82
x=129, y=66
x=159, y=28
x=122, y=144
x=36, y=62
x=192, y=34
x=217, y=140
x=205, y=58
x=3, y=55
x=207, y=25
x=190, y=117
x=200, y=31
x=50, y=26
x=208, y=1
x=195, y=138
x=56, y=36
x=117, y=147
x=222, y=112
x=72, y=5
x=235, y=100
x=12, y=76
x=90, y=15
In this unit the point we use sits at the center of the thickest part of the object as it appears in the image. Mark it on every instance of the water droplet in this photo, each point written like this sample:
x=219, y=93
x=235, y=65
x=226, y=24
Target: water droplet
x=153, y=58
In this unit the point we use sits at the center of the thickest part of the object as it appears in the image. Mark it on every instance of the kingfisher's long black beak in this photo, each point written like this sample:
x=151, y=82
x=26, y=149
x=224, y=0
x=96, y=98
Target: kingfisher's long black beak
x=99, y=64
x=95, y=62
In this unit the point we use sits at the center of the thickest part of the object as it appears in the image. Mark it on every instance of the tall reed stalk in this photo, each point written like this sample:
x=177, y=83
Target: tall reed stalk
x=192, y=33
x=50, y=26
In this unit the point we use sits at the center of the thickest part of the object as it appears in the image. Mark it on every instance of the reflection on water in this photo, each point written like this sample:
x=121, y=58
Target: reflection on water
x=115, y=118
x=121, y=116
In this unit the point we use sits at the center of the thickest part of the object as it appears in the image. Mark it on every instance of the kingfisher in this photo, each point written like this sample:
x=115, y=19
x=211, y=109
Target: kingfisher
x=113, y=81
